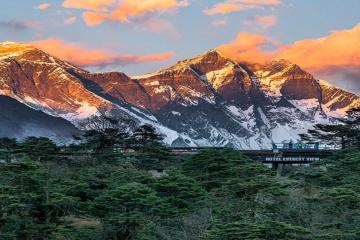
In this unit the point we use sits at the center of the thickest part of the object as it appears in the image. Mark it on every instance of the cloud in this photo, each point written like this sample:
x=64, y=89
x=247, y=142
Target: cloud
x=18, y=26
x=247, y=47
x=99, y=11
x=70, y=20
x=226, y=7
x=43, y=6
x=84, y=57
x=230, y=6
x=94, y=5
x=338, y=49
x=159, y=26
x=259, y=2
x=338, y=52
x=219, y=22
x=348, y=78
x=263, y=22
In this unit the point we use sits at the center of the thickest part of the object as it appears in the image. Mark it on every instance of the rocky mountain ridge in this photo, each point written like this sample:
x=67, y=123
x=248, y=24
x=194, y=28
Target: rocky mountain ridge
x=209, y=100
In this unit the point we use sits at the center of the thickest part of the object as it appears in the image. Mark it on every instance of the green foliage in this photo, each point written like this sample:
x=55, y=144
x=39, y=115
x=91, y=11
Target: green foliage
x=124, y=210
x=40, y=149
x=31, y=202
x=179, y=191
x=213, y=168
x=129, y=198
x=235, y=231
x=346, y=134
x=151, y=152
x=248, y=231
x=8, y=147
x=79, y=193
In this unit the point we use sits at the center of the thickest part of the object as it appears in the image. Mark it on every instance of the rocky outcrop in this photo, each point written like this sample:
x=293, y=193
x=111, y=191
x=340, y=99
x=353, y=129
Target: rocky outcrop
x=336, y=99
x=286, y=79
x=117, y=86
x=38, y=79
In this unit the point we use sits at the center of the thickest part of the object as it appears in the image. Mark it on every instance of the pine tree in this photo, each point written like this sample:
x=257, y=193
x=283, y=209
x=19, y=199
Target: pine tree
x=40, y=149
x=346, y=134
x=126, y=209
x=151, y=151
x=179, y=191
x=213, y=168
x=353, y=121
x=31, y=204
x=105, y=133
x=8, y=147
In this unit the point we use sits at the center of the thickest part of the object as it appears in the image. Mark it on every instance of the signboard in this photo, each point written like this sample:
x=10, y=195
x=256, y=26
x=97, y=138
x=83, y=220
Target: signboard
x=292, y=159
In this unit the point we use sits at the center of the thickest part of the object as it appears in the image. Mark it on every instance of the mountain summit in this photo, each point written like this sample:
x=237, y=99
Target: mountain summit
x=209, y=100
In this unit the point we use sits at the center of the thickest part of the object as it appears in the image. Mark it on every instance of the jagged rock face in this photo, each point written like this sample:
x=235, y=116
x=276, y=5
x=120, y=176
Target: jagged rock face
x=301, y=89
x=336, y=99
x=38, y=79
x=289, y=80
x=179, y=87
x=251, y=106
x=209, y=100
x=60, y=89
x=208, y=77
x=119, y=86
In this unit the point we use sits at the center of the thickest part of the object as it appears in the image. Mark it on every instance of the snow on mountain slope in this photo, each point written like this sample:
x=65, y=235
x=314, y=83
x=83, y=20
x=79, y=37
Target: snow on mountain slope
x=43, y=82
x=57, y=88
x=337, y=101
x=209, y=100
x=252, y=107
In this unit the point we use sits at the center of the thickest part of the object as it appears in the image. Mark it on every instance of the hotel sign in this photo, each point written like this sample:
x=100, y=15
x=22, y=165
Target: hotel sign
x=292, y=159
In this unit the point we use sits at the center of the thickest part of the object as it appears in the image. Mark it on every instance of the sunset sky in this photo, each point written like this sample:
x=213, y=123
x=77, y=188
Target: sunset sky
x=140, y=36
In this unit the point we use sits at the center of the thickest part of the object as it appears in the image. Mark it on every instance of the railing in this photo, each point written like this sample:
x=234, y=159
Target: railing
x=304, y=146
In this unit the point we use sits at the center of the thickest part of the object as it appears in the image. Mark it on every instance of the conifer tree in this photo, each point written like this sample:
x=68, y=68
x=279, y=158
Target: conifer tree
x=8, y=147
x=126, y=209
x=345, y=134
x=105, y=132
x=40, y=149
x=152, y=152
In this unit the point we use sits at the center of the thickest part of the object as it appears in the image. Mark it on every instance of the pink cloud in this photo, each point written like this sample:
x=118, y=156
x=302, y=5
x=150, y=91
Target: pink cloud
x=70, y=20
x=81, y=56
x=336, y=54
x=224, y=8
x=100, y=11
x=259, y=2
x=247, y=47
x=94, y=5
x=230, y=6
x=219, y=22
x=43, y=6
x=160, y=26
x=338, y=49
x=263, y=22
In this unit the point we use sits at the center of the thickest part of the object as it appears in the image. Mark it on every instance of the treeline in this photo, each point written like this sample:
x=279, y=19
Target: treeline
x=216, y=194
x=105, y=187
x=100, y=137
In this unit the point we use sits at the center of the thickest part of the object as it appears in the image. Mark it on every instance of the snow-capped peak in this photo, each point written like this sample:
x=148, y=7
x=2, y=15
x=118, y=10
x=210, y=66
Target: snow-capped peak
x=212, y=60
x=12, y=49
x=208, y=100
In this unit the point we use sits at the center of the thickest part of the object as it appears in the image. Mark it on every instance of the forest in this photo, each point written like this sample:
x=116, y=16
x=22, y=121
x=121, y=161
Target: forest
x=120, y=186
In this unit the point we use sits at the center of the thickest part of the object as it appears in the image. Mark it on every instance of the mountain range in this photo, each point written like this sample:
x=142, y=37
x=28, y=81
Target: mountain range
x=209, y=100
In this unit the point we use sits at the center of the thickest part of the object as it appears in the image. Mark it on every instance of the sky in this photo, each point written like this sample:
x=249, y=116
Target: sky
x=141, y=36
